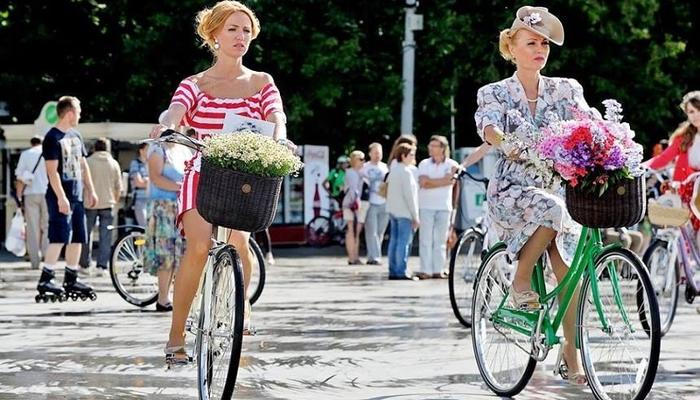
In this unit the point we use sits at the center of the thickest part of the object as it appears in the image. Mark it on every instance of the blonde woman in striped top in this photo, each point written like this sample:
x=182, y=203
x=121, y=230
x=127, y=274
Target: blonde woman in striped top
x=202, y=101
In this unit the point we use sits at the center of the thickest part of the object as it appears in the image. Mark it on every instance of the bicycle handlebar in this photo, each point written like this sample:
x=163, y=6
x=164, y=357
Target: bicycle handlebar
x=173, y=136
x=462, y=173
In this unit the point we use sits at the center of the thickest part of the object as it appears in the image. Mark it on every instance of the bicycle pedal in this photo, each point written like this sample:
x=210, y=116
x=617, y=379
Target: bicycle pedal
x=530, y=307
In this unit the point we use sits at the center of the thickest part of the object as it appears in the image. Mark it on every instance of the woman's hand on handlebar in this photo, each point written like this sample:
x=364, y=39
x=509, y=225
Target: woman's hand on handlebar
x=157, y=130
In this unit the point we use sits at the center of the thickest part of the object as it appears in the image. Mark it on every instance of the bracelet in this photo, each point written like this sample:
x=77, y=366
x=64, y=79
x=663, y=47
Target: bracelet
x=282, y=141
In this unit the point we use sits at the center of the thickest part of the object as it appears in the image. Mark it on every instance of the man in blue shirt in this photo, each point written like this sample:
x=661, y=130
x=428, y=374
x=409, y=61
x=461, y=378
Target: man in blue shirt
x=69, y=176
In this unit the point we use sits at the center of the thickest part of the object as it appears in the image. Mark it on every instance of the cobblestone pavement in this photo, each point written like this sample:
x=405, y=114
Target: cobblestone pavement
x=326, y=330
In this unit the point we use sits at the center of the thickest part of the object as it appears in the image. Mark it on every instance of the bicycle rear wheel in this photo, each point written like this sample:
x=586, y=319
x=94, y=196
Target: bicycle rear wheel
x=319, y=231
x=464, y=265
x=257, y=278
x=133, y=284
x=620, y=360
x=220, y=333
x=502, y=355
x=658, y=260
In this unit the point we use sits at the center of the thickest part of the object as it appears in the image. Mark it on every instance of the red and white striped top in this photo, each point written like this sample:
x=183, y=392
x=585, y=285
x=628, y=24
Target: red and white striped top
x=206, y=113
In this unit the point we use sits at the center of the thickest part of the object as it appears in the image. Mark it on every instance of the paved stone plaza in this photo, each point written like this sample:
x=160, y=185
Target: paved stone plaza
x=325, y=331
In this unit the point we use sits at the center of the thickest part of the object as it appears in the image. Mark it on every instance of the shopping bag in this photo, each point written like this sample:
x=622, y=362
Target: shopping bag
x=15, y=242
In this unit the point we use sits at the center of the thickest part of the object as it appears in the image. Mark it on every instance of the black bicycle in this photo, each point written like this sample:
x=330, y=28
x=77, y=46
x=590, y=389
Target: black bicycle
x=465, y=260
x=140, y=288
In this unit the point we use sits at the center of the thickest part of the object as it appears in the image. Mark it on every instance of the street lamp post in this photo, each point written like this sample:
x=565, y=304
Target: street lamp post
x=414, y=22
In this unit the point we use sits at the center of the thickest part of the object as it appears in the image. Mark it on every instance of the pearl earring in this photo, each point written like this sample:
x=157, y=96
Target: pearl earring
x=216, y=44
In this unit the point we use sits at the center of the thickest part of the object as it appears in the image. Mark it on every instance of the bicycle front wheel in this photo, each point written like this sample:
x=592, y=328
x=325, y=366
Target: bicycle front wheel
x=133, y=284
x=220, y=333
x=257, y=277
x=665, y=276
x=502, y=355
x=619, y=358
x=464, y=265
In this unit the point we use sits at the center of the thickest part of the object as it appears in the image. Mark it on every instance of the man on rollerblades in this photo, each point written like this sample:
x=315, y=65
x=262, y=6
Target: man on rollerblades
x=68, y=174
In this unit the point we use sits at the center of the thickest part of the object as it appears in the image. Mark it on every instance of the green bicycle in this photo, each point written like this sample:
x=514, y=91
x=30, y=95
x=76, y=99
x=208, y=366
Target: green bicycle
x=620, y=354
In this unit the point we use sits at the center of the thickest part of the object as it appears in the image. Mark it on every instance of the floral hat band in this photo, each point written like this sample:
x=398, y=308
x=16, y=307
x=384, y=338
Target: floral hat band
x=540, y=21
x=694, y=95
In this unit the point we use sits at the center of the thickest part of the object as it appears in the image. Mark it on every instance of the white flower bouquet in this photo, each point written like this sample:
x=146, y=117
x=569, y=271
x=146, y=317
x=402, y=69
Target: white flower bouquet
x=252, y=153
x=241, y=178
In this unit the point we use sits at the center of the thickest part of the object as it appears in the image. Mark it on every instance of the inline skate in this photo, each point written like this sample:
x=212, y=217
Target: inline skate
x=48, y=290
x=75, y=289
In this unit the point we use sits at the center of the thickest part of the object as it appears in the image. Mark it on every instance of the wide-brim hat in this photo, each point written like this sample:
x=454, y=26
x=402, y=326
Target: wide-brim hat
x=540, y=21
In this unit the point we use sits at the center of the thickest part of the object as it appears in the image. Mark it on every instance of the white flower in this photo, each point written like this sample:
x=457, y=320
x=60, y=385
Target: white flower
x=613, y=110
x=253, y=153
x=532, y=19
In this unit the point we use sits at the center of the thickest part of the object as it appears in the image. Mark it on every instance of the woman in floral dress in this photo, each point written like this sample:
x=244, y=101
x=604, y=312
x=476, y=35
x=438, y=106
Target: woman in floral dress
x=527, y=210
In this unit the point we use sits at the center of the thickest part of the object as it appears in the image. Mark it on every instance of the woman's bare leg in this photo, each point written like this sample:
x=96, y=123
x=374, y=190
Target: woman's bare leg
x=529, y=254
x=198, y=234
x=350, y=241
x=239, y=240
x=569, y=323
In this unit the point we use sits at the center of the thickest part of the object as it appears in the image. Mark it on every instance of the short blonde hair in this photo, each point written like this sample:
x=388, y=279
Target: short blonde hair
x=374, y=145
x=504, y=40
x=210, y=20
x=356, y=154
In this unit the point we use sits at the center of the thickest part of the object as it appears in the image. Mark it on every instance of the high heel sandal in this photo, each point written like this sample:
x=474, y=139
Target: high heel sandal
x=174, y=356
x=562, y=368
x=525, y=300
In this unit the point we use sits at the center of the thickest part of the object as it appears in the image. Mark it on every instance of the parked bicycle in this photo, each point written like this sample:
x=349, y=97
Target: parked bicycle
x=323, y=230
x=673, y=257
x=140, y=288
x=465, y=260
x=620, y=352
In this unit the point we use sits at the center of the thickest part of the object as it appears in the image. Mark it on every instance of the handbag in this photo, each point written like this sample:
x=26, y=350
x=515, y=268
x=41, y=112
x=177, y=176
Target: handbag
x=383, y=186
x=364, y=194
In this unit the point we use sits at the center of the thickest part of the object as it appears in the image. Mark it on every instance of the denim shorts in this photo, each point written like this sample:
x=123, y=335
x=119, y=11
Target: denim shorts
x=66, y=228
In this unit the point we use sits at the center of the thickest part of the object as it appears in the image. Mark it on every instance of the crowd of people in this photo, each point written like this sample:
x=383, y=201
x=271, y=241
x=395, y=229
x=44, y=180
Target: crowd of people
x=65, y=194
x=403, y=196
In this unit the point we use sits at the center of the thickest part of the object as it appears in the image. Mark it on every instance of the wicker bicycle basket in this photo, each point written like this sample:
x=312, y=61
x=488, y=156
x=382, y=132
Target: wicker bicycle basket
x=236, y=200
x=622, y=205
x=663, y=215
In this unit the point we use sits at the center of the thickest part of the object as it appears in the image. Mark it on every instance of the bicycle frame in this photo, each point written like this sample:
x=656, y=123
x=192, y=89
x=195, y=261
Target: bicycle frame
x=590, y=245
x=687, y=249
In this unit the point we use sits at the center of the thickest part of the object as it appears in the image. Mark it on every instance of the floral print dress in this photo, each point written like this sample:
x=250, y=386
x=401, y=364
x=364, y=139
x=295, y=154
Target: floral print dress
x=519, y=199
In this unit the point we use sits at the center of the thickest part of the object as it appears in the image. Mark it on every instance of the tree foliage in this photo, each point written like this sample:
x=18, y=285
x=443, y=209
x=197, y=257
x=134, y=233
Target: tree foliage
x=338, y=63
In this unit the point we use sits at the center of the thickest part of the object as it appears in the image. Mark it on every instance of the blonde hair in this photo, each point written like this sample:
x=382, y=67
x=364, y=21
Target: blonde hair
x=374, y=145
x=210, y=20
x=357, y=154
x=504, y=39
x=443, y=142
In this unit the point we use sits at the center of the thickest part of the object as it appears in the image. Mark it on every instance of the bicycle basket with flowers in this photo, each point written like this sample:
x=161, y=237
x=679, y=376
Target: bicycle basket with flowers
x=600, y=163
x=240, y=179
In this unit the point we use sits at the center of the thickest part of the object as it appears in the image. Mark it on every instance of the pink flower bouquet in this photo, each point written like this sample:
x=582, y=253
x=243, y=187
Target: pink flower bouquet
x=591, y=152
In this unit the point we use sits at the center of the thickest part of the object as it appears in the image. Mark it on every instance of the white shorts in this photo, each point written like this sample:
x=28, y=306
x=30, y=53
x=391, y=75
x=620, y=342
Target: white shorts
x=361, y=214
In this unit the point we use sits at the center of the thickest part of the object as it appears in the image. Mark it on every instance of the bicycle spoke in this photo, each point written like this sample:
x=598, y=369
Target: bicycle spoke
x=130, y=280
x=617, y=359
x=503, y=355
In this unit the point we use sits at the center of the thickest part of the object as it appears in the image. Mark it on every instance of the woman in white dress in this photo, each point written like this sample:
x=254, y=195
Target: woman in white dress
x=528, y=213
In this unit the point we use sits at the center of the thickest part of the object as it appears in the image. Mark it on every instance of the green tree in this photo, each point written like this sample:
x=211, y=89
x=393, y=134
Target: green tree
x=338, y=63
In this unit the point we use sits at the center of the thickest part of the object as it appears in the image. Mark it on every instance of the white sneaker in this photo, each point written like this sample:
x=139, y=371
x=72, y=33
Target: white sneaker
x=101, y=271
x=270, y=259
x=84, y=272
